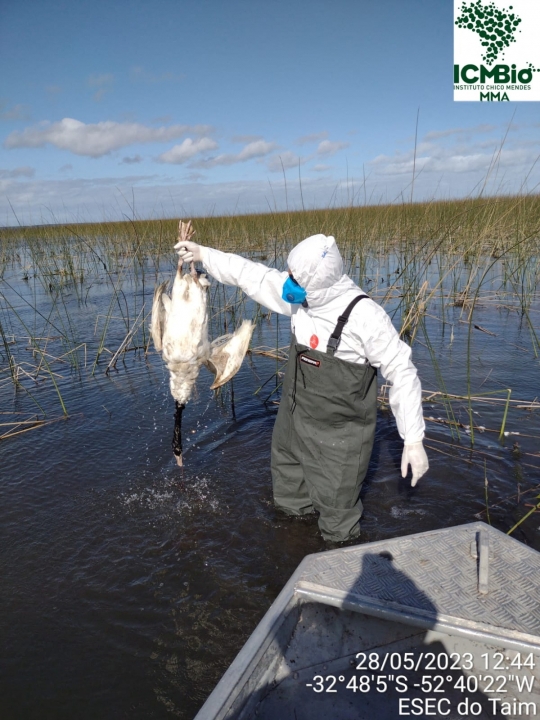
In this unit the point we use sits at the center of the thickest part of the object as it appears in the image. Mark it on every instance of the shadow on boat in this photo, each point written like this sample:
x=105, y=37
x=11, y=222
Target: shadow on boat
x=420, y=626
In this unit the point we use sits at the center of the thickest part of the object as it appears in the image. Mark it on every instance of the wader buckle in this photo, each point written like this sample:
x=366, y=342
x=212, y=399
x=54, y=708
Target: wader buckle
x=333, y=342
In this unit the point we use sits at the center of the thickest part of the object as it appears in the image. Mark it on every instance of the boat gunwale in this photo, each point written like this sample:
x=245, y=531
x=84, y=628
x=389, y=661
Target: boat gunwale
x=394, y=612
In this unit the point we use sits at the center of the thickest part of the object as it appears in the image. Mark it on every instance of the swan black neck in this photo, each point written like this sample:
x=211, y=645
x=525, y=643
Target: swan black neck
x=177, y=435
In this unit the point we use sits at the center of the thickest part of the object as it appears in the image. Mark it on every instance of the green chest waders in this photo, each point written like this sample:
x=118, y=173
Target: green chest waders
x=323, y=436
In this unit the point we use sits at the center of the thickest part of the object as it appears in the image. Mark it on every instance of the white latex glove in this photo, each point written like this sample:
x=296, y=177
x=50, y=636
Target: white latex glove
x=415, y=456
x=188, y=251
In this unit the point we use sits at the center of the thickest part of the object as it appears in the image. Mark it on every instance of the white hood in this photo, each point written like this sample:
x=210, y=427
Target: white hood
x=317, y=266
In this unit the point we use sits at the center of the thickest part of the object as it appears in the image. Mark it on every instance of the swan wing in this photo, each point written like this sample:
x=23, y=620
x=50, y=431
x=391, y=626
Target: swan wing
x=227, y=353
x=159, y=315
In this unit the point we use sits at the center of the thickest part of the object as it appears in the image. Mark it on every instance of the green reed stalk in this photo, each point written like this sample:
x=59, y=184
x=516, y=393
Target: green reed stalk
x=505, y=413
x=534, y=509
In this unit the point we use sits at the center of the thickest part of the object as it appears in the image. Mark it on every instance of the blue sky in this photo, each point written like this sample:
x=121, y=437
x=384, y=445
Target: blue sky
x=196, y=107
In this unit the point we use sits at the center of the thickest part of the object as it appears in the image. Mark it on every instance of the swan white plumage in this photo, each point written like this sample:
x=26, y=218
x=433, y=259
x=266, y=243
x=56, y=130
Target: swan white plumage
x=179, y=329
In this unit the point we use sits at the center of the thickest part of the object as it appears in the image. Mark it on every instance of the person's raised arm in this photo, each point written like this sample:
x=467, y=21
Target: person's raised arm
x=259, y=282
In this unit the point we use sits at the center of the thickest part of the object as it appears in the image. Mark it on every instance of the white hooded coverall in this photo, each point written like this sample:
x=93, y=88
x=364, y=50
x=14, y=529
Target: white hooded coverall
x=368, y=338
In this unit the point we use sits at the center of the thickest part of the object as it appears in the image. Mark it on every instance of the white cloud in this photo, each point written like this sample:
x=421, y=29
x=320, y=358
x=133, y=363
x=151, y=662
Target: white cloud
x=285, y=161
x=456, y=160
x=322, y=168
x=97, y=139
x=186, y=150
x=314, y=138
x=398, y=164
x=327, y=147
x=256, y=149
x=509, y=159
x=25, y=171
x=99, y=199
x=456, y=163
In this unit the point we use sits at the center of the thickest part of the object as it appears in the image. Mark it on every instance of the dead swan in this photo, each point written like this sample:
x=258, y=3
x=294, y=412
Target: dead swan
x=179, y=329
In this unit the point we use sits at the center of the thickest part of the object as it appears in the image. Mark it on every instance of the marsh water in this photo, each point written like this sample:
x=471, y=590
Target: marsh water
x=127, y=584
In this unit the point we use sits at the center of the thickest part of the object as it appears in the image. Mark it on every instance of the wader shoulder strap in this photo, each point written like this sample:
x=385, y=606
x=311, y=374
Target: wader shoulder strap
x=335, y=337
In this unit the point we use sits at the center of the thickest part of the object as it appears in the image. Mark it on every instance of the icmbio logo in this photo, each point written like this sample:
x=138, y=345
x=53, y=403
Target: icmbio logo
x=496, y=51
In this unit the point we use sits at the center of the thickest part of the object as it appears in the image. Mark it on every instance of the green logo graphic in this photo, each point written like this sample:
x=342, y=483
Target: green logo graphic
x=496, y=28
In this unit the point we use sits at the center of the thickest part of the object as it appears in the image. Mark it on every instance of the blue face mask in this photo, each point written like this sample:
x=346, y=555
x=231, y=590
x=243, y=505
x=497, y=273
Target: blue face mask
x=292, y=292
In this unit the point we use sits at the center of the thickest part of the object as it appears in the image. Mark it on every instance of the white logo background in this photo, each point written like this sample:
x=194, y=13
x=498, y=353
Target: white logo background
x=468, y=50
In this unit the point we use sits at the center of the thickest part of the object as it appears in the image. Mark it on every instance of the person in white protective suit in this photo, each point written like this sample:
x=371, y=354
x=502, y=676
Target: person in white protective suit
x=324, y=431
